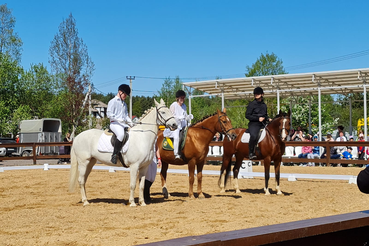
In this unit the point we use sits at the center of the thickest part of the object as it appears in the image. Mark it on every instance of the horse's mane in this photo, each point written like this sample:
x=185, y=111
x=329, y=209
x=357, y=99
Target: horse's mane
x=147, y=111
x=204, y=118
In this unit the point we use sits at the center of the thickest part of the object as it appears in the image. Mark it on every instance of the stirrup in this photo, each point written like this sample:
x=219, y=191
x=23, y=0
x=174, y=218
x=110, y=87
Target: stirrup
x=252, y=156
x=114, y=159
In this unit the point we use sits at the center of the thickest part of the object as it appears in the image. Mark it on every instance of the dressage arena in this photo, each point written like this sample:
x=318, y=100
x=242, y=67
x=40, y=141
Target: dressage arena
x=37, y=209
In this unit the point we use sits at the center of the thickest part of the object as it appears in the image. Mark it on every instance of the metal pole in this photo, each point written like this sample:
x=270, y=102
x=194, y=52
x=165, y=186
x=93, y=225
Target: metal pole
x=310, y=115
x=320, y=115
x=278, y=105
x=130, y=97
x=222, y=100
x=89, y=108
x=350, y=128
x=365, y=116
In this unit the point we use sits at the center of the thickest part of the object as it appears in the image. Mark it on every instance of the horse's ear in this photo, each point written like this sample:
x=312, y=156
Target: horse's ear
x=156, y=103
x=289, y=112
x=280, y=113
x=224, y=110
x=218, y=111
x=162, y=101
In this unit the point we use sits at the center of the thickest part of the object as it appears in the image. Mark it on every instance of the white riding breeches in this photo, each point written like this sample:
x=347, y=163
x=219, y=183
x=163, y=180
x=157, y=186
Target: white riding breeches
x=118, y=129
x=151, y=171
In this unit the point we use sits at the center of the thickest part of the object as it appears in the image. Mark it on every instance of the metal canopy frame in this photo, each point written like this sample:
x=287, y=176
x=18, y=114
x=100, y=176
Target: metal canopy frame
x=287, y=85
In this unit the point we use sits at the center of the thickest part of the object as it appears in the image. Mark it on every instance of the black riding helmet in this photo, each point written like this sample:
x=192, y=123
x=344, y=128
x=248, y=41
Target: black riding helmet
x=180, y=93
x=125, y=88
x=258, y=91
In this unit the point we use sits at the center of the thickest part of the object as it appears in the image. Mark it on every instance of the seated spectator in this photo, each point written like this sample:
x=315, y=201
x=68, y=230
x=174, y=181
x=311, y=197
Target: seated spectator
x=341, y=138
x=339, y=130
x=361, y=149
x=306, y=152
x=316, y=149
x=351, y=139
x=298, y=135
x=347, y=154
x=218, y=137
x=360, y=132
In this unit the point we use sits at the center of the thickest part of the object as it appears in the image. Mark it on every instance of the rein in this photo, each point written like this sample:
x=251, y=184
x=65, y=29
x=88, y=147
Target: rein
x=162, y=120
x=220, y=123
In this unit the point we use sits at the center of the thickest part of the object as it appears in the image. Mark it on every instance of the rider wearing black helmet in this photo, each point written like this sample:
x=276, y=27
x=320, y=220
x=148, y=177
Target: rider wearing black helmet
x=119, y=119
x=257, y=114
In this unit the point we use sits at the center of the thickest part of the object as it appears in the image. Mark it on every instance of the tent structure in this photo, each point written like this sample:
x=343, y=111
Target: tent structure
x=287, y=85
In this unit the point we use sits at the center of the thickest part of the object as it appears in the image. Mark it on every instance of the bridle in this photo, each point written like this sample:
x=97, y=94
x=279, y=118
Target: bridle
x=280, y=130
x=161, y=119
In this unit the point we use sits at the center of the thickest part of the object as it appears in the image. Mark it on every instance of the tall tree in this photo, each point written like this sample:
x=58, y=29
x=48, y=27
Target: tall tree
x=268, y=64
x=73, y=67
x=10, y=43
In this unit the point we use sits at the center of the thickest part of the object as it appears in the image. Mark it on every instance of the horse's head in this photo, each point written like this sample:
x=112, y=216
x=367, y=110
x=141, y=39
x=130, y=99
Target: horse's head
x=284, y=124
x=165, y=116
x=226, y=124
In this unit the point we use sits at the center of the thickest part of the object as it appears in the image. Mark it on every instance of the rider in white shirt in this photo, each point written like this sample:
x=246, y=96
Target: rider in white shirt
x=119, y=119
x=178, y=109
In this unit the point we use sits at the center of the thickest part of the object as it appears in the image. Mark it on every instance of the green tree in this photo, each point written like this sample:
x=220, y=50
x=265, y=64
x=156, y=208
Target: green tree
x=73, y=68
x=10, y=43
x=268, y=64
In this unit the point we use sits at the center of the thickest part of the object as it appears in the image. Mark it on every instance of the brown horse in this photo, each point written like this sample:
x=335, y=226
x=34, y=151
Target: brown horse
x=271, y=149
x=196, y=148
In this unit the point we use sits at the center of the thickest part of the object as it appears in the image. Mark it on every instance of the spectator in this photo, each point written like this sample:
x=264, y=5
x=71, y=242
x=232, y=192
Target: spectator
x=360, y=132
x=332, y=151
x=361, y=149
x=347, y=154
x=341, y=138
x=339, y=130
x=67, y=148
x=306, y=152
x=298, y=135
x=316, y=149
x=217, y=138
x=17, y=138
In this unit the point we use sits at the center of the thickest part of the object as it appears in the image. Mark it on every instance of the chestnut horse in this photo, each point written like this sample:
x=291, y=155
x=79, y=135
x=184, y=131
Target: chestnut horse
x=196, y=148
x=271, y=149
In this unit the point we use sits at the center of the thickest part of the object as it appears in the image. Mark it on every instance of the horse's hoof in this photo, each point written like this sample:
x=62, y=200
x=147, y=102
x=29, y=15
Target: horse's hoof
x=279, y=193
x=143, y=204
x=133, y=204
x=201, y=196
x=86, y=203
x=222, y=191
x=238, y=191
x=165, y=192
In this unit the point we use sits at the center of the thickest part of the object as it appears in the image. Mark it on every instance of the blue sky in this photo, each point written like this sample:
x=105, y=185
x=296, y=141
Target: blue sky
x=199, y=39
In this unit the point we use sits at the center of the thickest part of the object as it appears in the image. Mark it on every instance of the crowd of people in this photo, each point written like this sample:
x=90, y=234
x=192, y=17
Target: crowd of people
x=337, y=152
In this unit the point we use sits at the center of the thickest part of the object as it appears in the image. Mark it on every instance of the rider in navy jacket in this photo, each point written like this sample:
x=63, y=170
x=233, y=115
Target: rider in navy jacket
x=257, y=114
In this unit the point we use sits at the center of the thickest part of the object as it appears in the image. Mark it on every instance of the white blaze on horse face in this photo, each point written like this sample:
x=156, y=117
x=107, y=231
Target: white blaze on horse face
x=284, y=135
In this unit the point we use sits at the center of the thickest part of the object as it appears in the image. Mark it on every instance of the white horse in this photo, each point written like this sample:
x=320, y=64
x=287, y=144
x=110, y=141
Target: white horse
x=84, y=153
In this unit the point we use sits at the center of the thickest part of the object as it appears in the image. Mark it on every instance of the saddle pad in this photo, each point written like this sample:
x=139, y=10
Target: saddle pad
x=168, y=142
x=104, y=144
x=246, y=137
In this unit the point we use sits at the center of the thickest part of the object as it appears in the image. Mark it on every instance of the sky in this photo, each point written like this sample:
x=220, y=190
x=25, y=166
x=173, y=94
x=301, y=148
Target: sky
x=196, y=39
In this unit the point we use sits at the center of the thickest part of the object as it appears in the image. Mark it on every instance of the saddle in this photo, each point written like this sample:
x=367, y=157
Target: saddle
x=246, y=136
x=114, y=139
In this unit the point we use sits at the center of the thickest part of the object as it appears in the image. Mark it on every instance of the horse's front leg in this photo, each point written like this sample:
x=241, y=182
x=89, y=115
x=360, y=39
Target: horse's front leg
x=277, y=170
x=191, y=173
x=84, y=170
x=266, y=174
x=199, y=179
x=236, y=170
x=133, y=180
x=163, y=176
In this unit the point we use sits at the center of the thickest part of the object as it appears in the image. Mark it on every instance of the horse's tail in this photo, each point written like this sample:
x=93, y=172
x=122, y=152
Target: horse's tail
x=73, y=175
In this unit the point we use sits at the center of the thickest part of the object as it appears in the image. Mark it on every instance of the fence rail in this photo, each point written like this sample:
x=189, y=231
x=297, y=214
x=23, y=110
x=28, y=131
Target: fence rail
x=325, y=144
x=34, y=146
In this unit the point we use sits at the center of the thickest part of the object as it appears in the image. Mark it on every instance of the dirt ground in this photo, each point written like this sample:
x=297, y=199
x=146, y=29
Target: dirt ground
x=37, y=209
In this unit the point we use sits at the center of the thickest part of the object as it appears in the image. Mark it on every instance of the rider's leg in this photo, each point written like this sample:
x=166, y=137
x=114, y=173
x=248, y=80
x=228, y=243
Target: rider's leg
x=119, y=132
x=254, y=131
x=176, y=143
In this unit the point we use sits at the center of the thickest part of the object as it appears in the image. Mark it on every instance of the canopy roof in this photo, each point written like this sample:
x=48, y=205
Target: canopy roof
x=300, y=84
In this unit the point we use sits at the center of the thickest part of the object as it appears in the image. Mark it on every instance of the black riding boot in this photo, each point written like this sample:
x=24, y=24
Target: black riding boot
x=252, y=155
x=147, y=197
x=117, y=148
